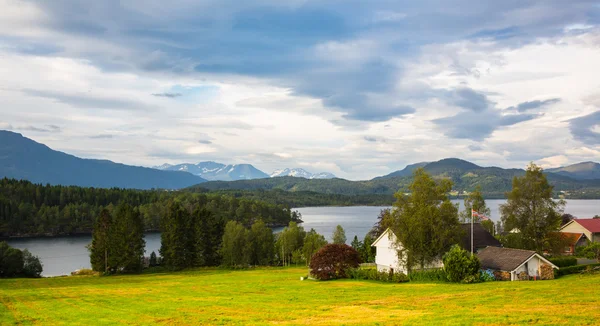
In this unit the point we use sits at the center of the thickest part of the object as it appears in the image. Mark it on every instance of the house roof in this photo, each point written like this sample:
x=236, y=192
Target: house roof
x=506, y=259
x=591, y=224
x=481, y=237
x=385, y=233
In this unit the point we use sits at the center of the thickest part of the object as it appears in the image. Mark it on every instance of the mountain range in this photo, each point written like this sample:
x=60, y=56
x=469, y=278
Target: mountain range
x=220, y=172
x=23, y=158
x=494, y=181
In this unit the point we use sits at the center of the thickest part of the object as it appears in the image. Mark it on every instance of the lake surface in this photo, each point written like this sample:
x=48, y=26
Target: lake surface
x=62, y=255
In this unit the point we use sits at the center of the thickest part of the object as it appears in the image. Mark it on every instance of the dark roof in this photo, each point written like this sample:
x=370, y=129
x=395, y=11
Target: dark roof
x=481, y=237
x=591, y=224
x=504, y=259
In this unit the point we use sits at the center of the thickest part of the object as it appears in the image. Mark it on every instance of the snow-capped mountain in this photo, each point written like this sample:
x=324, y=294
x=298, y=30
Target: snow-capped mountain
x=218, y=171
x=301, y=173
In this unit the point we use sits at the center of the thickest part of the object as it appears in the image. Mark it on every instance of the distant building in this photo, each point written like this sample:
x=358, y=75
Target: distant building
x=588, y=226
x=569, y=240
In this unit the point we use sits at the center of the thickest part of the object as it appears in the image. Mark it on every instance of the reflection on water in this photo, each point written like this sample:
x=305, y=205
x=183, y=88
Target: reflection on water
x=63, y=255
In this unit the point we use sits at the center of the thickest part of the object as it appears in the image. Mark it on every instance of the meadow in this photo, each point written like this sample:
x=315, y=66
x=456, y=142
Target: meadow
x=277, y=296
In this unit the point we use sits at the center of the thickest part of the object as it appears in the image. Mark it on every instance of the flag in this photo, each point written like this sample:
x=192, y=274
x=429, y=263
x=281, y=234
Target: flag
x=475, y=213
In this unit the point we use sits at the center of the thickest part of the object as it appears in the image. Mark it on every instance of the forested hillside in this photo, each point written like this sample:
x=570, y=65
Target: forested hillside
x=494, y=182
x=31, y=209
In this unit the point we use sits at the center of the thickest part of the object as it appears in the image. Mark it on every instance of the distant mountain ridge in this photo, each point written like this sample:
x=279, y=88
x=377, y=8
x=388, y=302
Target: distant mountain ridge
x=217, y=171
x=22, y=158
x=301, y=173
x=494, y=181
x=581, y=171
x=214, y=171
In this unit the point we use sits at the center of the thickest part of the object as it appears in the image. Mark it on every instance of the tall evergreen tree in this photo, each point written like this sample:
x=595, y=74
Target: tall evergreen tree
x=339, y=235
x=367, y=251
x=173, y=236
x=425, y=221
x=209, y=233
x=99, y=248
x=356, y=244
x=531, y=210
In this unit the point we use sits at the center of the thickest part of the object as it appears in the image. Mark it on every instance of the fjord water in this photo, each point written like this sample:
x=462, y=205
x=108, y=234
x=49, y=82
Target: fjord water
x=62, y=255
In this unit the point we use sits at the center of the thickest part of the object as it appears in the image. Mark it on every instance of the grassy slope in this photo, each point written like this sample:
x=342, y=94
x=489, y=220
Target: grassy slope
x=278, y=296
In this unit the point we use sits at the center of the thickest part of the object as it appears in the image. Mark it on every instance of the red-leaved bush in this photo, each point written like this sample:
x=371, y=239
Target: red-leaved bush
x=333, y=261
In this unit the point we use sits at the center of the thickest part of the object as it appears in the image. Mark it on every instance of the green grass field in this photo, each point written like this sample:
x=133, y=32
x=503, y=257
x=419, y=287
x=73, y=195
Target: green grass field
x=277, y=296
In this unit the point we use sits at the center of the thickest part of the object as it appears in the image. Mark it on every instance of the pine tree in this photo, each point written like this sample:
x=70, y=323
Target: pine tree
x=339, y=235
x=356, y=244
x=99, y=248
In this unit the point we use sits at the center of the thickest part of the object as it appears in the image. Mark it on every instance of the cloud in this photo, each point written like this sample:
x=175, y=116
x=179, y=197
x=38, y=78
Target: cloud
x=480, y=119
x=102, y=136
x=531, y=105
x=470, y=99
x=169, y=95
x=89, y=101
x=370, y=139
x=585, y=128
x=46, y=128
x=205, y=141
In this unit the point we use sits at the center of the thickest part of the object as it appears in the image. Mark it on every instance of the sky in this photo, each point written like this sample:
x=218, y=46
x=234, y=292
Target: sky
x=355, y=88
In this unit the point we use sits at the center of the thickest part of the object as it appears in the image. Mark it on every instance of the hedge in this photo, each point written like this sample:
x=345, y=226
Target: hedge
x=563, y=261
x=574, y=269
x=428, y=275
x=374, y=275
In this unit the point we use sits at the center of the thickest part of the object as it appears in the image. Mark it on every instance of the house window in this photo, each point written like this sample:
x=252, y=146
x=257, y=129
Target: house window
x=567, y=249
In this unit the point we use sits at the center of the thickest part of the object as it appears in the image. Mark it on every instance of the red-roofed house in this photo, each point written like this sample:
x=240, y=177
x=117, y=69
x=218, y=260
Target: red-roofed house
x=570, y=241
x=588, y=226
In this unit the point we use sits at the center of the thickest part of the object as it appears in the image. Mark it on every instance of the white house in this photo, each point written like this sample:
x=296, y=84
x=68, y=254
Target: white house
x=513, y=261
x=387, y=254
x=387, y=248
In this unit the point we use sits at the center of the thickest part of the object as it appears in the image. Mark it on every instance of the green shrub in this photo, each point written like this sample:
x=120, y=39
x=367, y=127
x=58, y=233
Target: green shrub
x=461, y=266
x=563, y=261
x=32, y=267
x=574, y=269
x=428, y=275
x=486, y=275
x=84, y=271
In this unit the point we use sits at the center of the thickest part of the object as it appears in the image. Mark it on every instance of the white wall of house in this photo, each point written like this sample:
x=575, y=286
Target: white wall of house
x=386, y=254
x=532, y=267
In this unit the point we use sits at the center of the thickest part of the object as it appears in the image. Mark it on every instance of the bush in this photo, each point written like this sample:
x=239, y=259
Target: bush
x=487, y=275
x=563, y=261
x=428, y=275
x=11, y=261
x=32, y=267
x=573, y=269
x=374, y=275
x=333, y=261
x=461, y=266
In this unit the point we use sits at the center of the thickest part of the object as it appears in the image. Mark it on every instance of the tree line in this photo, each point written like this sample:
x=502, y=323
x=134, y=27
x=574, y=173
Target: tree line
x=28, y=209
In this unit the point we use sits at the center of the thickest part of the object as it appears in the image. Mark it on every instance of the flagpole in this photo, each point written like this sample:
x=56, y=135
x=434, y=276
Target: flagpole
x=471, y=231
